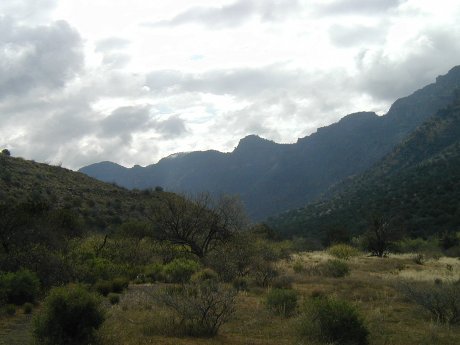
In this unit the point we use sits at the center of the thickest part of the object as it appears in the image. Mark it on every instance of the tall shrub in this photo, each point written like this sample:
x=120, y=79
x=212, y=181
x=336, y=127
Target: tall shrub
x=70, y=316
x=332, y=321
x=20, y=287
x=200, y=308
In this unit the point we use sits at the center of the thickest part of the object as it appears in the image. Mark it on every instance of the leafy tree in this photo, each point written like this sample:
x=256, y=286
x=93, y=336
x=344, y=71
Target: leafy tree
x=6, y=152
x=18, y=223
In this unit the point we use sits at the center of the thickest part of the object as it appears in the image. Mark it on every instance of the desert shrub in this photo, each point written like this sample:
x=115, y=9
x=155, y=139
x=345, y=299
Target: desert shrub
x=419, y=259
x=343, y=251
x=154, y=272
x=203, y=275
x=27, y=308
x=331, y=268
x=282, y=301
x=119, y=284
x=10, y=309
x=298, y=267
x=20, y=287
x=93, y=269
x=240, y=284
x=282, y=282
x=316, y=293
x=332, y=321
x=114, y=298
x=336, y=269
x=263, y=272
x=440, y=299
x=416, y=245
x=200, y=308
x=233, y=258
x=103, y=287
x=449, y=240
x=180, y=270
x=70, y=316
x=116, y=285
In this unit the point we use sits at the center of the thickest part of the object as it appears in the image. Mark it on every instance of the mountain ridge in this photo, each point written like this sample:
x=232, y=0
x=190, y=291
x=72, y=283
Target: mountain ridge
x=272, y=178
x=417, y=184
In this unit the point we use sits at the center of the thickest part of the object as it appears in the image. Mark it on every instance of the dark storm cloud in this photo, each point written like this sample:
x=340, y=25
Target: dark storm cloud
x=358, y=6
x=234, y=14
x=172, y=127
x=43, y=57
x=384, y=78
x=126, y=120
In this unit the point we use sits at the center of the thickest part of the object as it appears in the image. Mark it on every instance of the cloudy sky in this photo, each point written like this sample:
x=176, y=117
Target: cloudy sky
x=131, y=81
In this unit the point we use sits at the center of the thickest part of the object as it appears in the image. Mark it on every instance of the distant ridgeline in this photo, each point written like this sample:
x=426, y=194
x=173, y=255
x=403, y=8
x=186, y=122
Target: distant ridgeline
x=417, y=186
x=272, y=178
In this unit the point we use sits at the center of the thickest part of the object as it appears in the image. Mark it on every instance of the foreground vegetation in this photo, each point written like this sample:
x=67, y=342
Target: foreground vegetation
x=372, y=292
x=169, y=269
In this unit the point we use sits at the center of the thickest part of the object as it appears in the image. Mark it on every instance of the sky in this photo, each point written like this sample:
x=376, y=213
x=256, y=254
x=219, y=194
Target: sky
x=84, y=81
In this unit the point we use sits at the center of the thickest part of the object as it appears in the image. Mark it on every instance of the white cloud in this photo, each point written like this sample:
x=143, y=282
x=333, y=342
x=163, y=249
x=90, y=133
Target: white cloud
x=84, y=81
x=233, y=14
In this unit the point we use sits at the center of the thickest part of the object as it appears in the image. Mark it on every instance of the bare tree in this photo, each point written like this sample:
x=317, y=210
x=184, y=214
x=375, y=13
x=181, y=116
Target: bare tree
x=380, y=236
x=200, y=222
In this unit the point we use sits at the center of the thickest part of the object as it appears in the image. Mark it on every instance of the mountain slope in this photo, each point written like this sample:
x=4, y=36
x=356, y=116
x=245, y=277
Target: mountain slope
x=417, y=185
x=270, y=177
x=98, y=204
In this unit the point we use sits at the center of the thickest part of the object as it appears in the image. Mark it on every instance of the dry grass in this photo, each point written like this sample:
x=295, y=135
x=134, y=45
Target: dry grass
x=391, y=319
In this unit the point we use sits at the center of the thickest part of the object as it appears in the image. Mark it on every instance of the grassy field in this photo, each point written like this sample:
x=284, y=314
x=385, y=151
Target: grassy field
x=371, y=286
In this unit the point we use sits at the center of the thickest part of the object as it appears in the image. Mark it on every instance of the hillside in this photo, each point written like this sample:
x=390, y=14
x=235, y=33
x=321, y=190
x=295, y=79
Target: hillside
x=417, y=185
x=99, y=204
x=271, y=177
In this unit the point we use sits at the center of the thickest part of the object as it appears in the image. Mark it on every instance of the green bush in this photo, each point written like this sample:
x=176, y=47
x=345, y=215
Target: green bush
x=119, y=285
x=154, y=272
x=337, y=269
x=180, y=270
x=20, y=287
x=332, y=321
x=70, y=316
x=263, y=272
x=10, y=309
x=343, y=251
x=240, y=284
x=416, y=245
x=282, y=282
x=298, y=267
x=282, y=301
x=27, y=307
x=203, y=275
x=114, y=298
x=103, y=287
x=440, y=299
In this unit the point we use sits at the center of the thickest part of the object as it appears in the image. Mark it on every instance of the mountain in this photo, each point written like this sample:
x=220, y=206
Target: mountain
x=96, y=203
x=417, y=185
x=272, y=178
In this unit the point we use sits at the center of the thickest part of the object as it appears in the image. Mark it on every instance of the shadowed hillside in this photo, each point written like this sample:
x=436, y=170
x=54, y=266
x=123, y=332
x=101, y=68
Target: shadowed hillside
x=270, y=177
x=417, y=185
